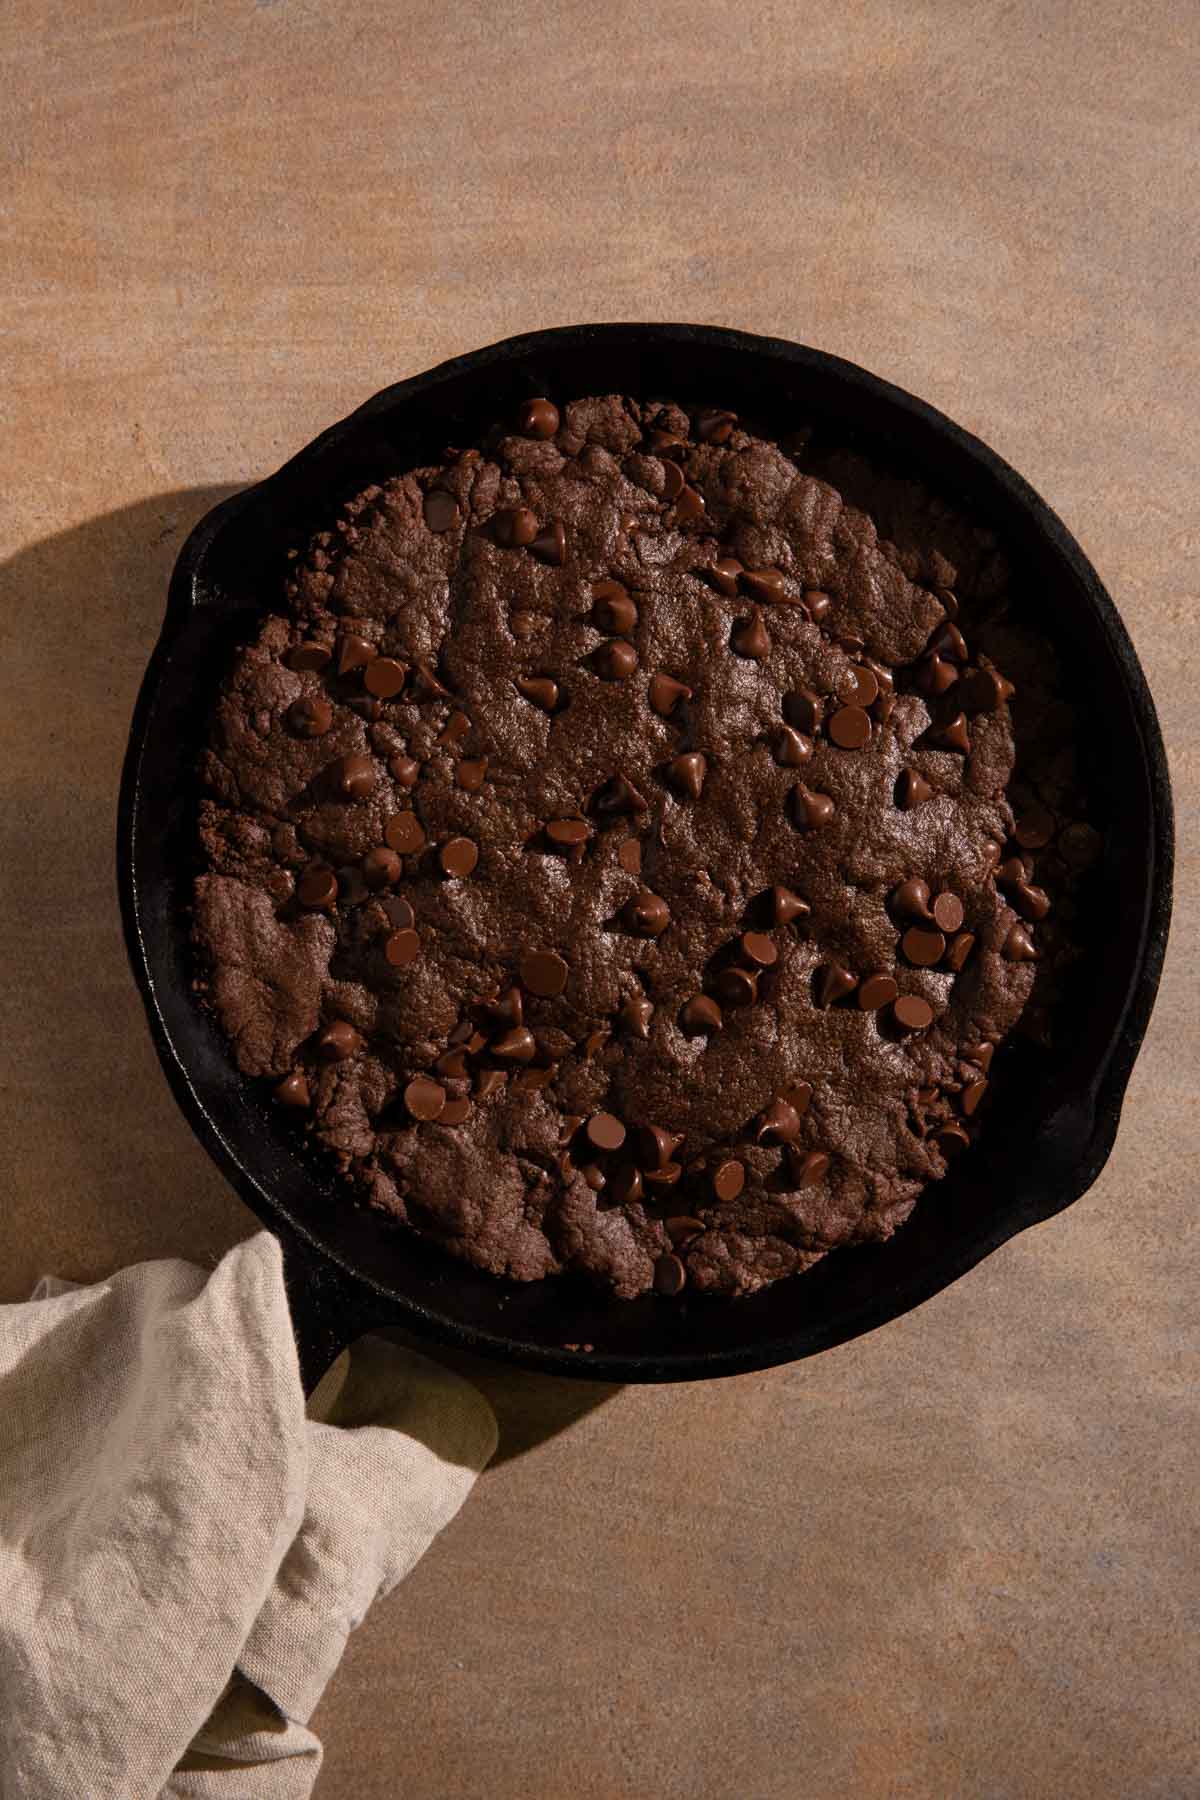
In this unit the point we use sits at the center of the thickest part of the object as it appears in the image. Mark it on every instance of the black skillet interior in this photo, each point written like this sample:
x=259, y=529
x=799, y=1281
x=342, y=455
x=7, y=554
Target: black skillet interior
x=1051, y=1124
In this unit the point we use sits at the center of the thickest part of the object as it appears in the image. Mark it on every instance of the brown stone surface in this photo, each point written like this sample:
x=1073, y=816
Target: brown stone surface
x=955, y=1557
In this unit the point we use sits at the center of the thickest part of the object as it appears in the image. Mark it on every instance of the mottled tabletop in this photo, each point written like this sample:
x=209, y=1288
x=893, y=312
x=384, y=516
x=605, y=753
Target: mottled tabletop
x=955, y=1557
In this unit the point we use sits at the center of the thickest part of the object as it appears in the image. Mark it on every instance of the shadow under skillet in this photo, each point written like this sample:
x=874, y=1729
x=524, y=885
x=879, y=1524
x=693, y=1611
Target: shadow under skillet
x=530, y=1408
x=99, y=1167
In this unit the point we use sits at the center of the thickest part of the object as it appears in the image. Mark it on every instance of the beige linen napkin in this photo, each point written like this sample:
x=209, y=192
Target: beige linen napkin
x=183, y=1551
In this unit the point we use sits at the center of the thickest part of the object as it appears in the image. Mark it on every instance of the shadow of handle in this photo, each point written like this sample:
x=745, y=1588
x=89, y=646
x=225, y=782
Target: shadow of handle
x=329, y=1308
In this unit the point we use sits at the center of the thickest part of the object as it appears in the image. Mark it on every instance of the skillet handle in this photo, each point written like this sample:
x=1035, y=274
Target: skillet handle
x=329, y=1308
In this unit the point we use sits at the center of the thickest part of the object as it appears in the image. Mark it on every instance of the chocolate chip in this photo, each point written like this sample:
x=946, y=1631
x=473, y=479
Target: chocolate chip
x=811, y=811
x=911, y=1013
x=399, y=912
x=426, y=684
x=452, y=1064
x=647, y=914
x=404, y=770
x=470, y=775
x=758, y=948
x=972, y=1094
x=876, y=992
x=735, y=987
x=935, y=675
x=987, y=690
x=1014, y=869
x=683, y=1227
x=687, y=772
x=668, y=443
x=544, y=973
x=674, y=481
x=508, y=1008
x=624, y=1185
x=355, y=775
x=404, y=832
x=354, y=652
x=798, y=1095
x=539, y=690
x=832, y=982
x=615, y=661
x=458, y=856
x=980, y=1054
x=523, y=624
x=456, y=728
x=948, y=641
x=550, y=544
x=1031, y=902
x=636, y=1014
x=950, y=1139
x=517, y=1045
x=803, y=710
x=818, y=603
x=595, y=1177
x=724, y=576
x=317, y=888
x=352, y=889
x=689, y=508
x=808, y=1167
x=860, y=687
x=612, y=609
x=790, y=748
x=655, y=1147
x=489, y=1082
x=618, y=795
x=605, y=1132
x=568, y=832
x=384, y=677
x=1080, y=845
x=1034, y=829
x=381, y=867
x=424, y=1098
x=923, y=947
x=670, y=1276
x=953, y=736
x=786, y=906
x=629, y=855
x=911, y=899
x=714, y=426
x=310, y=716
x=912, y=790
x=850, y=728
x=1019, y=946
x=700, y=1014
x=514, y=526
x=948, y=912
x=441, y=510
x=402, y=948
x=763, y=584
x=538, y=418
x=338, y=1041
x=959, y=950
x=729, y=1178
x=293, y=1091
x=308, y=657
x=455, y=1111
x=666, y=693
x=779, y=1124
x=750, y=637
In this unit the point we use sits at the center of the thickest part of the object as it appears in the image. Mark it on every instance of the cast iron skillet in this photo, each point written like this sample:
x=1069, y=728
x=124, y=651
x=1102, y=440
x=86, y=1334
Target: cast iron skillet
x=1052, y=1122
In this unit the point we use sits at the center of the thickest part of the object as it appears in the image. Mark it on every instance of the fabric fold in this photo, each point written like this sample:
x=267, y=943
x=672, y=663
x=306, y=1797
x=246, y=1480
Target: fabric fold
x=183, y=1552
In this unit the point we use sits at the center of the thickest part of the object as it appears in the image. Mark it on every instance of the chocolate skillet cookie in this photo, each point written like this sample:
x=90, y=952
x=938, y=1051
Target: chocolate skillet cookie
x=612, y=853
